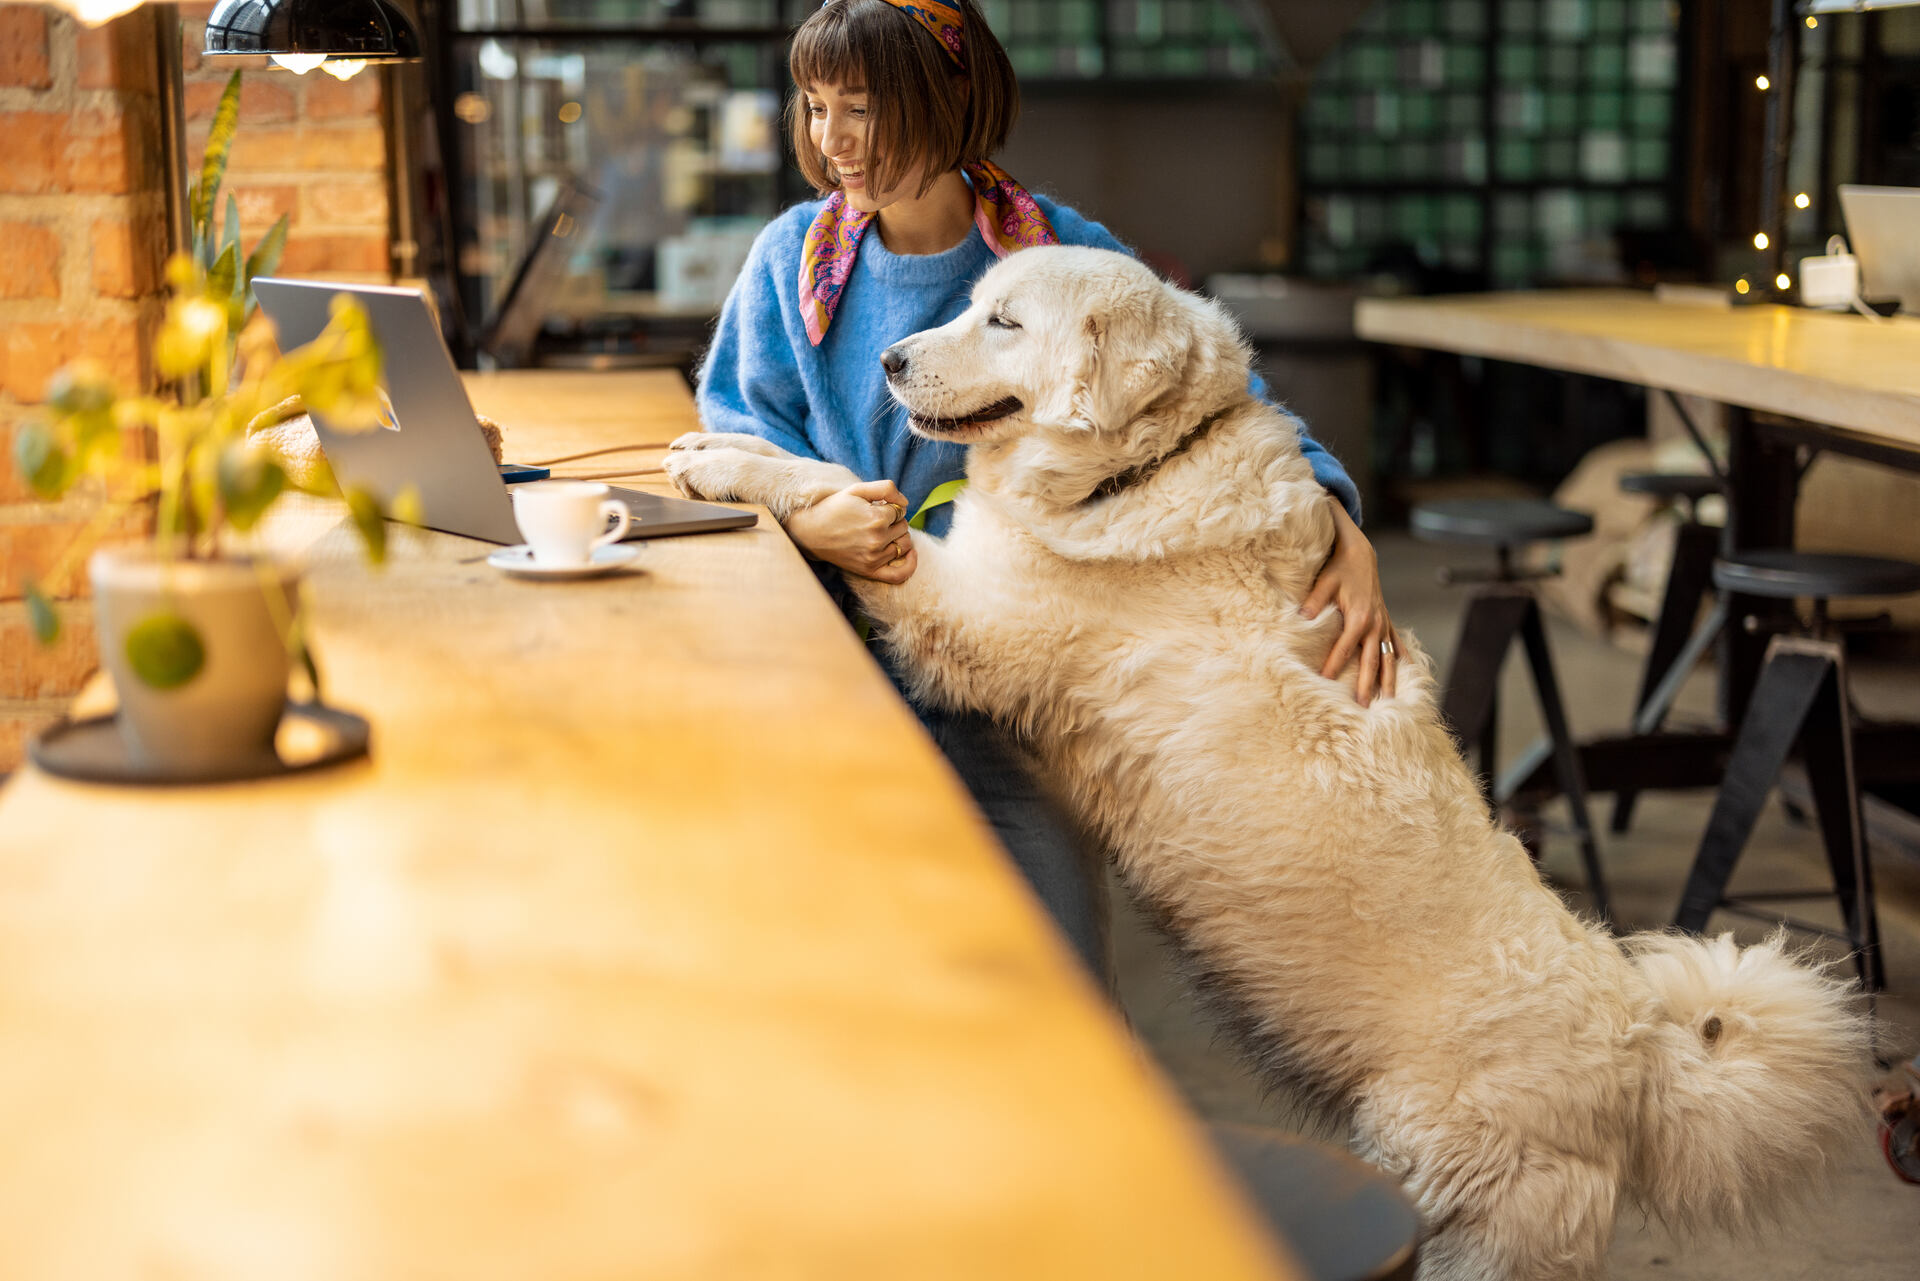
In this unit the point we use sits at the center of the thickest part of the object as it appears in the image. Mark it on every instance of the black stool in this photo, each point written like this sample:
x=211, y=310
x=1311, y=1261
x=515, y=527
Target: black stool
x=1675, y=646
x=1497, y=613
x=1341, y=1218
x=1800, y=698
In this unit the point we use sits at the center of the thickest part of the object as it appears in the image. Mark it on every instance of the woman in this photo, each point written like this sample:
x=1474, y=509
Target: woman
x=900, y=106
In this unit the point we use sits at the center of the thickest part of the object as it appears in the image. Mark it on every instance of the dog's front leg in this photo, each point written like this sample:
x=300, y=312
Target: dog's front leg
x=732, y=467
x=943, y=643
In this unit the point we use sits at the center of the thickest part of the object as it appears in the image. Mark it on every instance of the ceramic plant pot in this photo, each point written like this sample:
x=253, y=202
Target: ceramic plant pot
x=198, y=654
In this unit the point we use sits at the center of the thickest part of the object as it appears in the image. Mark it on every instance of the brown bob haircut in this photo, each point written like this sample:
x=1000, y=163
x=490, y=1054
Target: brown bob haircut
x=920, y=108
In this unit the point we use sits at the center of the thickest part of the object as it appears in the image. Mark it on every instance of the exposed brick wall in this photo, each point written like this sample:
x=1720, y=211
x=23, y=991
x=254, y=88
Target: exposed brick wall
x=310, y=146
x=82, y=234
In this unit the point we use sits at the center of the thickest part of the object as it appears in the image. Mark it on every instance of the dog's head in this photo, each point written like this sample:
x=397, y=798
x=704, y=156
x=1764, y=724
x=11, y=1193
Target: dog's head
x=1082, y=359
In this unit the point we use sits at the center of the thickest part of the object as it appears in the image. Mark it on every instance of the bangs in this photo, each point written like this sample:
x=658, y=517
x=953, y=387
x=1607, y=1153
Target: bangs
x=826, y=51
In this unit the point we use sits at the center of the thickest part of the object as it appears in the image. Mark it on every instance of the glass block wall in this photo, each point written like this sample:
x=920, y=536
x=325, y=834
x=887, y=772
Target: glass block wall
x=1510, y=139
x=1133, y=39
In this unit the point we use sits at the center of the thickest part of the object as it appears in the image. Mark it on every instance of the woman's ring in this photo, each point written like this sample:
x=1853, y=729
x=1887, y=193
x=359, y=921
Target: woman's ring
x=1386, y=647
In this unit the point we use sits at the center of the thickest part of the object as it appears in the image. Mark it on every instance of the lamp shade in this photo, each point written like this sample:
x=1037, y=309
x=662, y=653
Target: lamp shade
x=367, y=30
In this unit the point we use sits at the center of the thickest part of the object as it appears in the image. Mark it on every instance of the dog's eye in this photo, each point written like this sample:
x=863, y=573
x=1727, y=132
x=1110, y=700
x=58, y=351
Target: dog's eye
x=998, y=321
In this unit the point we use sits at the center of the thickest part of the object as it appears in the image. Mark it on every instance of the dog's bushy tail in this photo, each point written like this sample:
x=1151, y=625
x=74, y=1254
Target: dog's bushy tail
x=1753, y=1080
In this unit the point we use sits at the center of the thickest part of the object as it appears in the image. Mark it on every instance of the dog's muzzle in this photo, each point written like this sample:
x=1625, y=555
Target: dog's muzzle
x=894, y=361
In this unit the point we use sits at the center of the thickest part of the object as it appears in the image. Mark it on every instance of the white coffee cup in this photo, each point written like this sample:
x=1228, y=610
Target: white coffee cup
x=566, y=521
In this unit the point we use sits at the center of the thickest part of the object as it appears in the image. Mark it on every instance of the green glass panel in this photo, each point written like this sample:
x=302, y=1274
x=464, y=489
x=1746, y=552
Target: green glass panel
x=1559, y=160
x=1030, y=60
x=1604, y=211
x=1324, y=162
x=1652, y=61
x=1609, y=16
x=1518, y=61
x=1522, y=110
x=1519, y=17
x=1465, y=160
x=1606, y=64
x=1370, y=219
x=1461, y=255
x=1414, y=161
x=1562, y=111
x=1183, y=60
x=1466, y=64
x=1561, y=63
x=1648, y=159
x=1373, y=64
x=1465, y=17
x=1128, y=62
x=1513, y=216
x=1420, y=112
x=1653, y=15
x=1606, y=110
x=1369, y=161
x=1603, y=156
x=1415, y=17
x=1463, y=111
x=1649, y=111
x=1647, y=209
x=1514, y=160
x=1566, y=19
x=1512, y=263
x=1460, y=218
x=1377, y=113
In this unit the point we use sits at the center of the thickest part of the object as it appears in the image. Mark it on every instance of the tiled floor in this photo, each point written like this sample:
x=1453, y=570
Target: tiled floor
x=1868, y=1227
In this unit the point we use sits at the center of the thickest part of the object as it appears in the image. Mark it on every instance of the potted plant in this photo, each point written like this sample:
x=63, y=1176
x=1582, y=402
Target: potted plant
x=199, y=635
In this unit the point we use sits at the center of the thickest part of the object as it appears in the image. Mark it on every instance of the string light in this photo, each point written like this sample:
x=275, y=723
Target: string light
x=1762, y=83
x=569, y=112
x=1802, y=200
x=1783, y=282
x=1759, y=240
x=1741, y=286
x=1812, y=21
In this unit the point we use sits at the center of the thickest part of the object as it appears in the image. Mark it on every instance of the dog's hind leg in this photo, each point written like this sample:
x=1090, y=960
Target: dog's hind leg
x=1549, y=1220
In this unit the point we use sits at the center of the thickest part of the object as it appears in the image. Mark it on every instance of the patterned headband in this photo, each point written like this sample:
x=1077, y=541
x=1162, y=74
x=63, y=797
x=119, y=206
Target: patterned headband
x=943, y=20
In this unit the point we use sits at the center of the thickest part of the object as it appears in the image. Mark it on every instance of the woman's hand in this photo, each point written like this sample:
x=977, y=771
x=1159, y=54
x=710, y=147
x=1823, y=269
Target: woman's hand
x=1350, y=581
x=862, y=530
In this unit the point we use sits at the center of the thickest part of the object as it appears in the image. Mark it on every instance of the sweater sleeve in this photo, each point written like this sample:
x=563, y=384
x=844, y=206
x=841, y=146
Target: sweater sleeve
x=750, y=381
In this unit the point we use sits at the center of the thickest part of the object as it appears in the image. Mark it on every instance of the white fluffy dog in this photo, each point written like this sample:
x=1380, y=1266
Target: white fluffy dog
x=1122, y=583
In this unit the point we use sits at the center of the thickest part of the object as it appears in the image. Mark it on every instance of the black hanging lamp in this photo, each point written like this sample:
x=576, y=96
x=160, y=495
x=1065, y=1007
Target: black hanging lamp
x=303, y=34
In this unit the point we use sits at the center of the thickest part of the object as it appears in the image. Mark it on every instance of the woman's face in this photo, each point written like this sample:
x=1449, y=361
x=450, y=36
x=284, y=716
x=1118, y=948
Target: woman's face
x=837, y=123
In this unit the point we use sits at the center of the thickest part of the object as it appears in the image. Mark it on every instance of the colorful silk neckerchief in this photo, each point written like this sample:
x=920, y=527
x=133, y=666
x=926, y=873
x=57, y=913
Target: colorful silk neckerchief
x=1004, y=211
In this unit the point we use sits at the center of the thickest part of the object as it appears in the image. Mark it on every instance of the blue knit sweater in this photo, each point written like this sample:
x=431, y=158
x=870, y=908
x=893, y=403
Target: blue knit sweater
x=764, y=378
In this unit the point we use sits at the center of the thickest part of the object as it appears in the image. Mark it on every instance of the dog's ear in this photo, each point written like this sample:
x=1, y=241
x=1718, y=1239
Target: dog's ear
x=1163, y=348
x=1074, y=399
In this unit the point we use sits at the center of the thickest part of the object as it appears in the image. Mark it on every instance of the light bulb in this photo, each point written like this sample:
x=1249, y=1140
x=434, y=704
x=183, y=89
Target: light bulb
x=344, y=68
x=1759, y=240
x=569, y=112
x=1802, y=200
x=94, y=12
x=1812, y=21
x=1762, y=83
x=298, y=63
x=1741, y=286
x=1783, y=281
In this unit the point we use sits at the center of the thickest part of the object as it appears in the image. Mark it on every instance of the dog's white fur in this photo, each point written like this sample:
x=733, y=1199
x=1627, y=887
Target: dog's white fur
x=1332, y=868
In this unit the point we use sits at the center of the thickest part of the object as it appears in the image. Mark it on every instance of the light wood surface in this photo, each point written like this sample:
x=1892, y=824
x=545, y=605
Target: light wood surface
x=655, y=941
x=1836, y=370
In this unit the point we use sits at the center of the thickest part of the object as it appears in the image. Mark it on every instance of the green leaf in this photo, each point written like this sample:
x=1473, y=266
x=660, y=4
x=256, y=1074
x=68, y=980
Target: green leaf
x=45, y=619
x=303, y=652
x=38, y=454
x=213, y=162
x=370, y=521
x=249, y=482
x=230, y=242
x=220, y=275
x=82, y=387
x=265, y=259
x=165, y=651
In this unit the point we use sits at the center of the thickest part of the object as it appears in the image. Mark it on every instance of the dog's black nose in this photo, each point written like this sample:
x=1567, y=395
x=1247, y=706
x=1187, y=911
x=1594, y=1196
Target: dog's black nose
x=893, y=360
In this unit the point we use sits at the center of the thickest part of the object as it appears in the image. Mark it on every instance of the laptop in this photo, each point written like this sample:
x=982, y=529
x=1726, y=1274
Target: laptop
x=1883, y=228
x=430, y=439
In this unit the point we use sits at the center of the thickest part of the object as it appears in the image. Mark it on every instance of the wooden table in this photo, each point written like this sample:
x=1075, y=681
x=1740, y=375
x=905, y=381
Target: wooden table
x=1819, y=380
x=655, y=941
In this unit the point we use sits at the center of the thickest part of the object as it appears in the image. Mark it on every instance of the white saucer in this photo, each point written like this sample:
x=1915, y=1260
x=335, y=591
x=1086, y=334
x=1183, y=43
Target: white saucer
x=519, y=562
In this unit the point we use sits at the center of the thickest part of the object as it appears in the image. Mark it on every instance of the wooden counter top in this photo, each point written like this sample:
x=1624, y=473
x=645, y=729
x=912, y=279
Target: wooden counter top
x=655, y=941
x=1837, y=370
